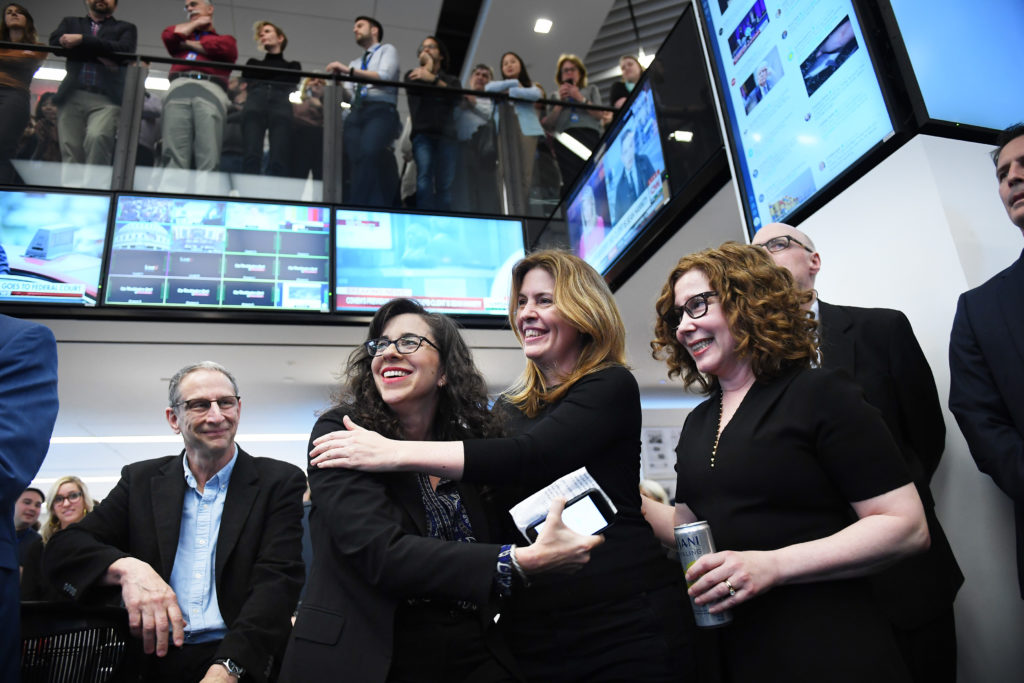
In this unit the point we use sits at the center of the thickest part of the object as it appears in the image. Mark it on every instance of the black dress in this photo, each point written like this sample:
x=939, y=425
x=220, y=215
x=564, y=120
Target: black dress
x=798, y=450
x=623, y=615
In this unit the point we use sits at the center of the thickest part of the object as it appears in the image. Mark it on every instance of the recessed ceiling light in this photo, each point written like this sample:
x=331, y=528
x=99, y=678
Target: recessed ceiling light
x=542, y=26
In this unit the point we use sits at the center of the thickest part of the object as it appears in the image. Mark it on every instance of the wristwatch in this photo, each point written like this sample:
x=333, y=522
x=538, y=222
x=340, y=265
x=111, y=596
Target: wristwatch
x=232, y=668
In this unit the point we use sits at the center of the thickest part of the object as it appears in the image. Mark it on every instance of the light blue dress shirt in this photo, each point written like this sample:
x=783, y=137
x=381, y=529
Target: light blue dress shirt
x=193, y=577
x=383, y=59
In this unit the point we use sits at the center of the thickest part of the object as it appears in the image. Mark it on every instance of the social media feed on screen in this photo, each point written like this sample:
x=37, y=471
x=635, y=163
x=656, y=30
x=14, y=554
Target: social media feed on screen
x=51, y=247
x=803, y=98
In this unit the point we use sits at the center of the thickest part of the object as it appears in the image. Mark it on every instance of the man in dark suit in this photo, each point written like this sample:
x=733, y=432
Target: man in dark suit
x=89, y=97
x=205, y=545
x=878, y=347
x=28, y=410
x=637, y=171
x=986, y=347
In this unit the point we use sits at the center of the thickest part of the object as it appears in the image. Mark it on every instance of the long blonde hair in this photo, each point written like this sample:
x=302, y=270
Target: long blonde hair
x=52, y=525
x=583, y=298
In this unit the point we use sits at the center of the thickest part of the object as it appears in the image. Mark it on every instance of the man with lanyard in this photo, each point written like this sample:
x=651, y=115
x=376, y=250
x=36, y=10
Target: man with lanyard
x=196, y=104
x=89, y=98
x=372, y=124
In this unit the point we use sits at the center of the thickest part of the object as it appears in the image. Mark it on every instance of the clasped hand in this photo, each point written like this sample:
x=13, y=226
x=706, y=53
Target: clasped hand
x=747, y=574
x=356, y=449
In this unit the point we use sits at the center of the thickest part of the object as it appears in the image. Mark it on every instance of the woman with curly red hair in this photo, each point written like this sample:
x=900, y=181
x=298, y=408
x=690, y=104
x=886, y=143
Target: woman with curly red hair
x=801, y=483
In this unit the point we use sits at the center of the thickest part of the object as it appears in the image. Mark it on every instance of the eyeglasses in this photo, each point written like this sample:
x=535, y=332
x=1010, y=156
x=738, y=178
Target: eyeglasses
x=201, y=406
x=781, y=243
x=695, y=307
x=406, y=344
x=73, y=496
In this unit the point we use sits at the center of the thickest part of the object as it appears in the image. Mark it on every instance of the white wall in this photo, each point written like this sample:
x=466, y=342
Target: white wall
x=919, y=229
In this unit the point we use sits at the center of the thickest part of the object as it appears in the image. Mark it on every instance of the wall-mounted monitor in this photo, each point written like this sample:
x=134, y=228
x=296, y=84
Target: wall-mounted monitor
x=625, y=186
x=206, y=253
x=450, y=264
x=964, y=58
x=51, y=247
x=801, y=99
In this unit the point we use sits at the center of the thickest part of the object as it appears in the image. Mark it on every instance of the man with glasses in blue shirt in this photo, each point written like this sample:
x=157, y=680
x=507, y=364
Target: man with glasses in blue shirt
x=878, y=348
x=205, y=545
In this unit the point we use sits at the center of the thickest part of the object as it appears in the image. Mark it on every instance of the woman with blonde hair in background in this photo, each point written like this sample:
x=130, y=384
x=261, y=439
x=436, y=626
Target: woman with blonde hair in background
x=69, y=502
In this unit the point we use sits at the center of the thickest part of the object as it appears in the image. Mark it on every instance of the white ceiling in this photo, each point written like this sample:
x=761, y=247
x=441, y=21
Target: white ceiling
x=113, y=375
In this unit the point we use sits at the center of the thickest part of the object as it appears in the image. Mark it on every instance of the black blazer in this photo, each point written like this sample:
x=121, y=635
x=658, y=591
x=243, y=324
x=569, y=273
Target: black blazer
x=878, y=347
x=258, y=567
x=986, y=387
x=113, y=36
x=370, y=553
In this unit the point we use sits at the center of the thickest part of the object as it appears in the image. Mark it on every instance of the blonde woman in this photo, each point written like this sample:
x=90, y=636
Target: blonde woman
x=69, y=502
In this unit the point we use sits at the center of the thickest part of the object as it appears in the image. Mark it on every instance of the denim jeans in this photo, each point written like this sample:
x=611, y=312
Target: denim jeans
x=435, y=170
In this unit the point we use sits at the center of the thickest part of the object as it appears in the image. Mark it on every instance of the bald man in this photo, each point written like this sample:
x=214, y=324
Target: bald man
x=878, y=347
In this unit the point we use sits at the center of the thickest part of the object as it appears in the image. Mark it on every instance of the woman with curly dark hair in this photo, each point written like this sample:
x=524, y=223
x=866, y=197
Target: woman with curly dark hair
x=405, y=579
x=623, y=616
x=799, y=479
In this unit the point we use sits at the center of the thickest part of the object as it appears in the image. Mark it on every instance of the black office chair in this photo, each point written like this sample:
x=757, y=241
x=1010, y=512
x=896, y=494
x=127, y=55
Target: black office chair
x=63, y=642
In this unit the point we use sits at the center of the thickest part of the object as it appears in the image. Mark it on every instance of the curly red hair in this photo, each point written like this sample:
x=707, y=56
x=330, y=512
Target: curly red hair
x=762, y=305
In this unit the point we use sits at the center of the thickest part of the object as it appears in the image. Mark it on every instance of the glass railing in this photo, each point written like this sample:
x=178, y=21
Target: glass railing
x=161, y=125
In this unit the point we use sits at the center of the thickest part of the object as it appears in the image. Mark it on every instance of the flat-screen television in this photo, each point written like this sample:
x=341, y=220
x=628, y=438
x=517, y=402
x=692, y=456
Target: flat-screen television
x=208, y=253
x=450, y=264
x=624, y=186
x=51, y=246
x=964, y=58
x=801, y=99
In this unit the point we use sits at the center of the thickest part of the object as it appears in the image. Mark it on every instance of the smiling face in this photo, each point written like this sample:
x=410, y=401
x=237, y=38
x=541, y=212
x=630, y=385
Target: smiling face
x=510, y=66
x=409, y=383
x=548, y=339
x=1010, y=174
x=707, y=339
x=69, y=511
x=207, y=435
x=27, y=509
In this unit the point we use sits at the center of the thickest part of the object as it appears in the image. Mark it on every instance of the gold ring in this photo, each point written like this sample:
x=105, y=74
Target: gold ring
x=732, y=591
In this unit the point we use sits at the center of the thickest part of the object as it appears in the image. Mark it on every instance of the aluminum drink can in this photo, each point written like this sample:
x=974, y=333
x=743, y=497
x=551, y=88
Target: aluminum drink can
x=693, y=541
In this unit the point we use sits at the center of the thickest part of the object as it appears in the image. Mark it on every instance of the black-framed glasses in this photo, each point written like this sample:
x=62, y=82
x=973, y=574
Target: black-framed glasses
x=781, y=243
x=406, y=344
x=695, y=307
x=201, y=406
x=73, y=496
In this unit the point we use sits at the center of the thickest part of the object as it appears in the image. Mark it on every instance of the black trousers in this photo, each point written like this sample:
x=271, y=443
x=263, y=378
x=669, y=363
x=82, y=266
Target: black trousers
x=439, y=645
x=14, y=104
x=644, y=637
x=185, y=664
x=266, y=108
